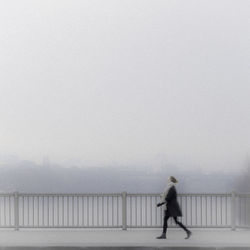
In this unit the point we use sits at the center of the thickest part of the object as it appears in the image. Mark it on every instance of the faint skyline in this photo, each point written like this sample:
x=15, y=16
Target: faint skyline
x=30, y=177
x=141, y=83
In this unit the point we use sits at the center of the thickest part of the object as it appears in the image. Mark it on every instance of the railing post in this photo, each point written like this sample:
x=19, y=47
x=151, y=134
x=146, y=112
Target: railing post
x=16, y=210
x=124, y=210
x=233, y=211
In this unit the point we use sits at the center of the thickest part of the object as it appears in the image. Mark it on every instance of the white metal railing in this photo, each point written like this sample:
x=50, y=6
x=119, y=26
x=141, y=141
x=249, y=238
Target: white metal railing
x=242, y=217
x=120, y=210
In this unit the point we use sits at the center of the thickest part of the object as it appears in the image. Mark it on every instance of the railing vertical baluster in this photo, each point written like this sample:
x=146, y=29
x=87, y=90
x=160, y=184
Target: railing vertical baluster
x=63, y=210
x=33, y=211
x=191, y=210
x=240, y=208
x=4, y=209
x=112, y=202
x=9, y=212
x=82, y=211
x=226, y=211
x=216, y=210
x=117, y=207
x=141, y=209
x=124, y=211
x=73, y=210
x=23, y=208
x=53, y=212
x=206, y=209
x=48, y=210
x=196, y=211
x=136, y=211
x=151, y=211
x=57, y=199
x=221, y=210
x=97, y=210
x=28, y=211
x=146, y=212
x=102, y=211
x=78, y=211
x=43, y=209
x=245, y=205
x=201, y=209
x=92, y=210
x=233, y=211
x=247, y=215
x=1, y=210
x=211, y=210
x=131, y=213
x=87, y=210
x=38, y=208
x=67, y=210
x=103, y=207
x=16, y=210
x=107, y=210
x=248, y=207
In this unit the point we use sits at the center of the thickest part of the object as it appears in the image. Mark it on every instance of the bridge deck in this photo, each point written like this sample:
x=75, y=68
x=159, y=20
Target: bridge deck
x=136, y=239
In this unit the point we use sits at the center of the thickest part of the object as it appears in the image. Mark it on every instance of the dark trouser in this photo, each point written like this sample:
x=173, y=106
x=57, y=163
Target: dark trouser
x=165, y=225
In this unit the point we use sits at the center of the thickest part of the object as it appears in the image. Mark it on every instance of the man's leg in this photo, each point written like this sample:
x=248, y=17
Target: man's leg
x=183, y=227
x=165, y=226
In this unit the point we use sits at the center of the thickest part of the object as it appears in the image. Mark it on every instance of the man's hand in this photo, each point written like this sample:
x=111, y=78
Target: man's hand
x=160, y=204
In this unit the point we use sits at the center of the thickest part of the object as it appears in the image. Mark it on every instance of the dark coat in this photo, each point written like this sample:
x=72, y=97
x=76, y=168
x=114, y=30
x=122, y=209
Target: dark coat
x=173, y=208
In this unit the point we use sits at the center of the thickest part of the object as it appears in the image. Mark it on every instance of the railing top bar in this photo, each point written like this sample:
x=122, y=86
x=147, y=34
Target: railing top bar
x=141, y=194
x=205, y=194
x=7, y=194
x=119, y=194
x=69, y=194
x=182, y=194
x=243, y=194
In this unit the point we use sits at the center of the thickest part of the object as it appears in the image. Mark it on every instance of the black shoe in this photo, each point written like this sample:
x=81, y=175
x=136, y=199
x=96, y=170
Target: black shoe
x=163, y=236
x=188, y=234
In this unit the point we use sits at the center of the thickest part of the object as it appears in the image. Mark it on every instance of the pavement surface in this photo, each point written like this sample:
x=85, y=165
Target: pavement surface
x=119, y=239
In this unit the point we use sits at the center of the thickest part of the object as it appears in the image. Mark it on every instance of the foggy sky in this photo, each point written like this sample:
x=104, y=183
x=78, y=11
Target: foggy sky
x=126, y=82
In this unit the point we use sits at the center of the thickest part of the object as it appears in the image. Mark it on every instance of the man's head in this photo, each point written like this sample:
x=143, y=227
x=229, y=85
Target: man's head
x=172, y=179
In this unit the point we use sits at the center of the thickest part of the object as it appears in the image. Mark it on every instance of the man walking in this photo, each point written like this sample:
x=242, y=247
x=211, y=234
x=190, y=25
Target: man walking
x=172, y=208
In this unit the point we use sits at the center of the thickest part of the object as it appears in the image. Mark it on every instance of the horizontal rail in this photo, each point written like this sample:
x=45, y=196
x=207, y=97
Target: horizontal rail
x=114, y=194
x=69, y=194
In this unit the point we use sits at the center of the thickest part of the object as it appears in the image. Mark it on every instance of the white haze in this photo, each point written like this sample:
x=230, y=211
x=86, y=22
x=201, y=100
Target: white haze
x=131, y=83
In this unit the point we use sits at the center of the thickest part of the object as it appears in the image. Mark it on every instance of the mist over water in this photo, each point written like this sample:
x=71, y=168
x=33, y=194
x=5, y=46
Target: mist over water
x=26, y=176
